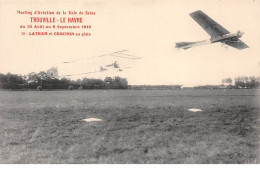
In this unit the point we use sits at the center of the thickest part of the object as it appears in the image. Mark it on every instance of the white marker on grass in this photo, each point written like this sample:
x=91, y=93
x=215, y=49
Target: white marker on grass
x=194, y=110
x=92, y=120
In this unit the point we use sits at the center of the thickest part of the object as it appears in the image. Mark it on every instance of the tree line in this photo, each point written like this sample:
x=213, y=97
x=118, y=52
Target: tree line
x=242, y=82
x=42, y=81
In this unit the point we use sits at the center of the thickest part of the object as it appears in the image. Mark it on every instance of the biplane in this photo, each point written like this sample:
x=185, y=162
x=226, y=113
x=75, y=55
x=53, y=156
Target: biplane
x=216, y=31
x=115, y=66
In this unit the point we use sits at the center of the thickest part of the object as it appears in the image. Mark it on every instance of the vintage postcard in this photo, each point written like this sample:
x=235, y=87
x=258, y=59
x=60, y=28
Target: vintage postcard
x=129, y=82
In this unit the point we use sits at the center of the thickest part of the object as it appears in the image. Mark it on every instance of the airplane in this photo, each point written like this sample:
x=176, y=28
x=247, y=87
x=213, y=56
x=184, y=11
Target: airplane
x=216, y=31
x=115, y=65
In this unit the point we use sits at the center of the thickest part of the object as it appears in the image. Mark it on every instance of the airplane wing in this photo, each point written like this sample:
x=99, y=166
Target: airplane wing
x=236, y=43
x=208, y=24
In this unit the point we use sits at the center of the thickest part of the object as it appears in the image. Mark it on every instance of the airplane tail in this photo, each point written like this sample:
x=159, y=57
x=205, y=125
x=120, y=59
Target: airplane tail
x=183, y=45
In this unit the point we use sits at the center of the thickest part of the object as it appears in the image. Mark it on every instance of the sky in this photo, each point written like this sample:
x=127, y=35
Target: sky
x=147, y=29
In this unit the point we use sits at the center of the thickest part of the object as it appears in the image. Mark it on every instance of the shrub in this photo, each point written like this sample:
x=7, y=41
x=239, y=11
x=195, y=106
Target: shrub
x=70, y=88
x=39, y=88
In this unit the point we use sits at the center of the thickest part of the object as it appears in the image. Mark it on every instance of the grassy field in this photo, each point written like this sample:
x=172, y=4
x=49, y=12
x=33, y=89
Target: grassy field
x=152, y=126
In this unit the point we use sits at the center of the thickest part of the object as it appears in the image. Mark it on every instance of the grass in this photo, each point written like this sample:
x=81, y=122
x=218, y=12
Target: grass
x=137, y=127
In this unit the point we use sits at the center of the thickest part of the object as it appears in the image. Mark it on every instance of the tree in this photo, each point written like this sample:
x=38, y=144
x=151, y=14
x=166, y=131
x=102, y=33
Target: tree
x=227, y=80
x=123, y=83
x=32, y=78
x=78, y=81
x=42, y=75
x=246, y=82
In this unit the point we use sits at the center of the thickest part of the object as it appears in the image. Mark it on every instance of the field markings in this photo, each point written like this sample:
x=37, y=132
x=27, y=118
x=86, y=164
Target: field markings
x=195, y=110
x=92, y=120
